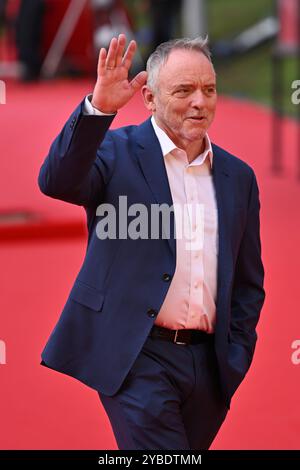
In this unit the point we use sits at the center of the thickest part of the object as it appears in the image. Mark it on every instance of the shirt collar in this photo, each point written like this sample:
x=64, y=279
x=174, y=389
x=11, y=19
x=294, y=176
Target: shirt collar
x=167, y=145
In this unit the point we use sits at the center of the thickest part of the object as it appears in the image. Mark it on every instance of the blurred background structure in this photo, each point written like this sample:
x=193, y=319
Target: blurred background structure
x=64, y=36
x=48, y=55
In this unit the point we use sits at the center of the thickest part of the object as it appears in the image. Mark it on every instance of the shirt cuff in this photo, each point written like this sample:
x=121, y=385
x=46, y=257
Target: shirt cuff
x=88, y=108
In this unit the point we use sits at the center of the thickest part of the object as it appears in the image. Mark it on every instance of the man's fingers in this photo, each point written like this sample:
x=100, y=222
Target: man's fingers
x=120, y=49
x=114, y=57
x=138, y=81
x=127, y=60
x=101, y=61
x=111, y=55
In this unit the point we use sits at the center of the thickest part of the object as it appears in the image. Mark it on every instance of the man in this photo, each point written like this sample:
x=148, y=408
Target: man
x=163, y=327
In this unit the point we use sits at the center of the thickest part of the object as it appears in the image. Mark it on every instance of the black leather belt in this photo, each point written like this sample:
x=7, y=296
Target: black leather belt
x=182, y=336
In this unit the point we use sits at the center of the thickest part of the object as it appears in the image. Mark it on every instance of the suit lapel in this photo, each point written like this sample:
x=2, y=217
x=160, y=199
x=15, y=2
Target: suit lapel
x=224, y=196
x=151, y=161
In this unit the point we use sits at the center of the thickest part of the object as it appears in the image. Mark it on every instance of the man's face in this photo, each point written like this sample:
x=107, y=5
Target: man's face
x=184, y=100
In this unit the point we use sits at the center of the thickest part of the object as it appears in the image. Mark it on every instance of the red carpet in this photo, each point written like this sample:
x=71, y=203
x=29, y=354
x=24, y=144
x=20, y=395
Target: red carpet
x=41, y=409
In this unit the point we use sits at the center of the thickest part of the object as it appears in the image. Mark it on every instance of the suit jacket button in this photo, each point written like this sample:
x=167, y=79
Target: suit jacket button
x=166, y=277
x=151, y=312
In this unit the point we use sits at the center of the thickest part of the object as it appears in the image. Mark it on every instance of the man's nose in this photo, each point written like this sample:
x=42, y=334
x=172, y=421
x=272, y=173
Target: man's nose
x=197, y=99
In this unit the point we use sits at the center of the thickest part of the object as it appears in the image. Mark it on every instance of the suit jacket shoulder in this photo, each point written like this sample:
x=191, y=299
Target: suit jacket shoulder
x=232, y=161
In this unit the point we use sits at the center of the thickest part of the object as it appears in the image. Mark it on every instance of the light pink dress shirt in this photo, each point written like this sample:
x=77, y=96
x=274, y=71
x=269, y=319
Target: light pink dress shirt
x=191, y=299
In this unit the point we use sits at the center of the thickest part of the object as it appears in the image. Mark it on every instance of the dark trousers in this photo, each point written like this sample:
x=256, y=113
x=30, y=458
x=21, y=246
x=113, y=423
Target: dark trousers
x=29, y=27
x=170, y=400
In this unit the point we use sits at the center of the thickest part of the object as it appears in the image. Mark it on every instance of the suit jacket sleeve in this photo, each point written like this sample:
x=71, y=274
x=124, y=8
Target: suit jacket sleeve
x=76, y=169
x=248, y=293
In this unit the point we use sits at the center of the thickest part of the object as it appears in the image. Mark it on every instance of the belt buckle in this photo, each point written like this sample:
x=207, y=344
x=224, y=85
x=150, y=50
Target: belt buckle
x=175, y=339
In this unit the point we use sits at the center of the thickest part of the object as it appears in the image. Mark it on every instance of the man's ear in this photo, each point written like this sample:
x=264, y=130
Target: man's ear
x=148, y=97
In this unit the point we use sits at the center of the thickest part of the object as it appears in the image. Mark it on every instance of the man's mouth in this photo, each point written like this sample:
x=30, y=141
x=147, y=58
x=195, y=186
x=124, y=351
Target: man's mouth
x=197, y=118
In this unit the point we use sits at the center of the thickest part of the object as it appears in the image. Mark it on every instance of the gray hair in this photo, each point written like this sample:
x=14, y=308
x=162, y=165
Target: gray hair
x=160, y=56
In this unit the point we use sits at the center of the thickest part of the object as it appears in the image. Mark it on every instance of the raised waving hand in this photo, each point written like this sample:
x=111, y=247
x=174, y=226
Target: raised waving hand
x=113, y=89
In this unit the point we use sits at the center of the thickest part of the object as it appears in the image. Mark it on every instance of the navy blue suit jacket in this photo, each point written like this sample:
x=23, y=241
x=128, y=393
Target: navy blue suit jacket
x=121, y=284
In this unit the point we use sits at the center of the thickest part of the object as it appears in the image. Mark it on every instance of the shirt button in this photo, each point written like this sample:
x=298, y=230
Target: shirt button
x=166, y=277
x=151, y=312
